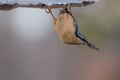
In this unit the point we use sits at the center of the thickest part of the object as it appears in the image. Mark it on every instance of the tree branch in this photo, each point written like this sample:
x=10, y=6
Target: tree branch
x=7, y=6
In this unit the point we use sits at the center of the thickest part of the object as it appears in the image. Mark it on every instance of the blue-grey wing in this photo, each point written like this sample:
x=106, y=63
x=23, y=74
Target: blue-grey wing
x=82, y=37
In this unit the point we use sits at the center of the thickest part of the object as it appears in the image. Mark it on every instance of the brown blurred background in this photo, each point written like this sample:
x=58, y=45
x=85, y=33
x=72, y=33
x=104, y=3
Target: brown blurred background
x=30, y=48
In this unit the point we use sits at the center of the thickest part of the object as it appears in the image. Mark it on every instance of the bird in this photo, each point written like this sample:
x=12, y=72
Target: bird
x=67, y=29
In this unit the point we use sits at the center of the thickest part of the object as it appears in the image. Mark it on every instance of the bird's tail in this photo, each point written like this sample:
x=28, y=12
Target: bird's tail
x=92, y=46
x=82, y=37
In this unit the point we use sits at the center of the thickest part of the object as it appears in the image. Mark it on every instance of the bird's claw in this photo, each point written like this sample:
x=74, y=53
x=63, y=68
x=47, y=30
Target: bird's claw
x=47, y=10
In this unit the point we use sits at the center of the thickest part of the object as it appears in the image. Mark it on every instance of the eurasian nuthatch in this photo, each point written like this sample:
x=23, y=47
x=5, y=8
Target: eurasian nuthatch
x=67, y=29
